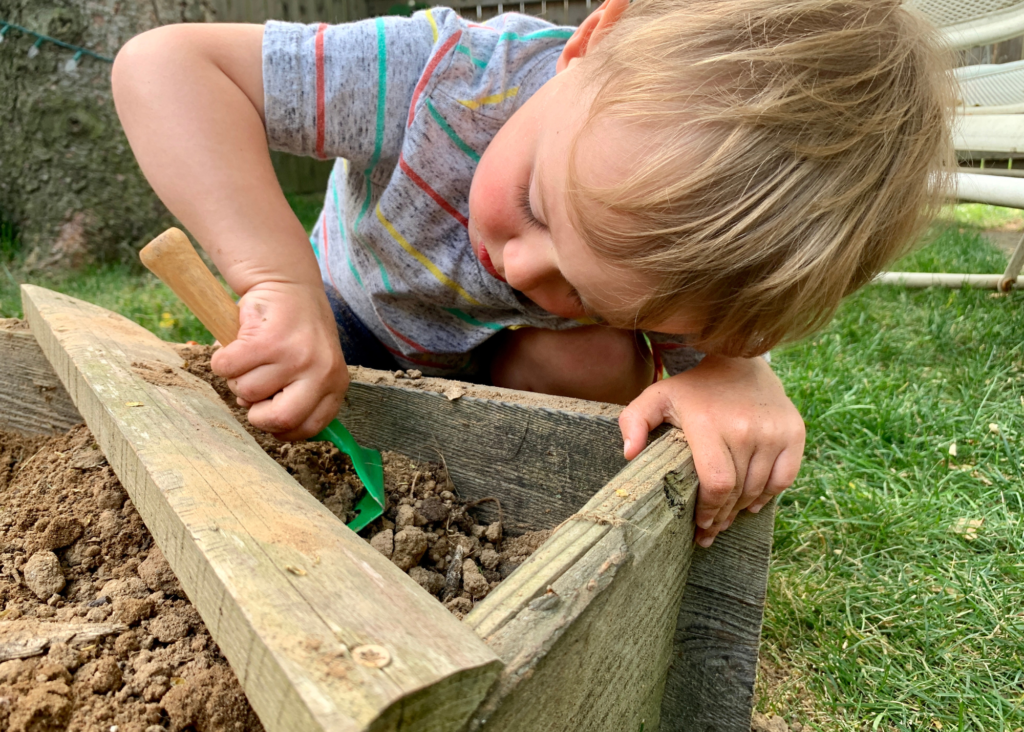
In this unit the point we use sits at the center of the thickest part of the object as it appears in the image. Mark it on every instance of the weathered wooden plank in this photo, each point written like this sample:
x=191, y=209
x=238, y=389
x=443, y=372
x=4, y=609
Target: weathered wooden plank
x=32, y=399
x=27, y=637
x=728, y=589
x=710, y=683
x=585, y=626
x=323, y=632
x=543, y=457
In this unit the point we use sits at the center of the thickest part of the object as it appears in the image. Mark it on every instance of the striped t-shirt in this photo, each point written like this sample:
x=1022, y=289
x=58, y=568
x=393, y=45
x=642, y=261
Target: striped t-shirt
x=407, y=106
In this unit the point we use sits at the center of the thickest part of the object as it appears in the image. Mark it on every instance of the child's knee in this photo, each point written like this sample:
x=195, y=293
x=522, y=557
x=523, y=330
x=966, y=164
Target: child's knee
x=597, y=363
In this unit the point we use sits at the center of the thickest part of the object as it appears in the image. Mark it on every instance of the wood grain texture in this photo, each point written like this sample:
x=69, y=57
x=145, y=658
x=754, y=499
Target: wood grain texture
x=287, y=591
x=710, y=685
x=541, y=463
x=27, y=637
x=173, y=259
x=585, y=626
x=32, y=399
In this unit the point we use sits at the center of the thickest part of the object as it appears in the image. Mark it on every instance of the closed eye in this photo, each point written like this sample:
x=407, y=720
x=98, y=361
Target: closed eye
x=588, y=312
x=527, y=209
x=574, y=295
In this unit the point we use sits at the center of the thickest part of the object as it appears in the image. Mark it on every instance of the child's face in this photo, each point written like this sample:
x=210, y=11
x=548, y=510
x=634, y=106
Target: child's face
x=519, y=224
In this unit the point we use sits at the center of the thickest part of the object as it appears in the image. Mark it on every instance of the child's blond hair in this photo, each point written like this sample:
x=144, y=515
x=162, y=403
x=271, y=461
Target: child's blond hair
x=793, y=148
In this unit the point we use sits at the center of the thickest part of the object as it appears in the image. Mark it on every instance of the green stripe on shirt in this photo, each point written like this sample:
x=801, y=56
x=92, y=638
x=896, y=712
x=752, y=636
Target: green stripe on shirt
x=467, y=318
x=467, y=51
x=549, y=33
x=378, y=143
x=452, y=134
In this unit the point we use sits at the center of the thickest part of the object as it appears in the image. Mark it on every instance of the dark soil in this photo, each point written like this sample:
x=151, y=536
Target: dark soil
x=97, y=634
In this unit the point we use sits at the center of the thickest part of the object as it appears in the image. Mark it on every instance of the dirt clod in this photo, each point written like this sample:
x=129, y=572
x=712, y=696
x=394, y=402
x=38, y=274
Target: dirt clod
x=132, y=610
x=761, y=723
x=410, y=546
x=101, y=675
x=432, y=582
x=43, y=575
x=432, y=510
x=169, y=628
x=60, y=532
x=158, y=575
x=474, y=582
x=384, y=542
x=44, y=708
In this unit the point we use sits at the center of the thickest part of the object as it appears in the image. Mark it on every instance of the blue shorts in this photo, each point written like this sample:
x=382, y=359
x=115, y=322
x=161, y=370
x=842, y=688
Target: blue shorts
x=358, y=344
x=361, y=348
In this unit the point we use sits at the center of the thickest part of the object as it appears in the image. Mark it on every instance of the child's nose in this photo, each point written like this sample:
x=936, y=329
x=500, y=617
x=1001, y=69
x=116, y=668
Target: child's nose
x=529, y=263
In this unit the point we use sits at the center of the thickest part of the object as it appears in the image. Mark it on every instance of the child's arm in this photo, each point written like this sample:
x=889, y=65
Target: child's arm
x=190, y=98
x=747, y=437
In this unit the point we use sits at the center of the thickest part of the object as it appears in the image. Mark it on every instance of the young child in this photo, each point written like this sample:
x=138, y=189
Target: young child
x=672, y=188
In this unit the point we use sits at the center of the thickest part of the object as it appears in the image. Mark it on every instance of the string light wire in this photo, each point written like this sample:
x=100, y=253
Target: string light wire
x=42, y=38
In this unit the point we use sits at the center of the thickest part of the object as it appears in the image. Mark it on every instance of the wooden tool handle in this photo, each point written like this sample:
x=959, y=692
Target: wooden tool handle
x=173, y=259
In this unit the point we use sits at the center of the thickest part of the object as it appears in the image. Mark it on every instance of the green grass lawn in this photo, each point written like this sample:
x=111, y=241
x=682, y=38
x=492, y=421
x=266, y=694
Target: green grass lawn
x=896, y=598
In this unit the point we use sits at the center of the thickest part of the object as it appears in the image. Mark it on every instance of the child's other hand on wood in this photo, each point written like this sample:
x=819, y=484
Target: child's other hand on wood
x=286, y=365
x=747, y=437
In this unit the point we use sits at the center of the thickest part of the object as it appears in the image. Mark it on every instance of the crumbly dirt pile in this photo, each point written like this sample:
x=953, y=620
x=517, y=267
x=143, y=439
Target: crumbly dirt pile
x=427, y=531
x=108, y=636
x=96, y=632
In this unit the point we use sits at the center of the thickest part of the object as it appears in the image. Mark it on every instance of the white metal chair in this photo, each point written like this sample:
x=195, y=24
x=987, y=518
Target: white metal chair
x=992, y=88
x=988, y=124
x=967, y=23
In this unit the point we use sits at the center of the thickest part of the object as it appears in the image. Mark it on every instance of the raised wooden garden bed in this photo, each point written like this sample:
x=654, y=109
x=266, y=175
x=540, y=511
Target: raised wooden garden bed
x=615, y=624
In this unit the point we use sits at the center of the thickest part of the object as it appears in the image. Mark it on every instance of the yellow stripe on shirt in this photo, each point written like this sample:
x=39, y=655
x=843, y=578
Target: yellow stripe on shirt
x=422, y=259
x=433, y=23
x=492, y=99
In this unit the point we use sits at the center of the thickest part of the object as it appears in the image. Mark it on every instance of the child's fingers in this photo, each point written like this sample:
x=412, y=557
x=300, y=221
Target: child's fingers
x=237, y=358
x=262, y=382
x=717, y=470
x=715, y=465
x=759, y=471
x=642, y=415
x=784, y=472
x=705, y=537
x=293, y=411
x=321, y=415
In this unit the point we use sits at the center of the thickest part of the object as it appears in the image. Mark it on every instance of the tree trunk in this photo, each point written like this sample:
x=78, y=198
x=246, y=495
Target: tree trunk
x=68, y=180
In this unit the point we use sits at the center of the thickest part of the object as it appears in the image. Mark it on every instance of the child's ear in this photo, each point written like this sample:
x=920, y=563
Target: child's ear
x=591, y=31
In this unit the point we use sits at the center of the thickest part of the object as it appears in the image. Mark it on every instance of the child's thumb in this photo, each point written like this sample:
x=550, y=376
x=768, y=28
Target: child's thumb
x=642, y=415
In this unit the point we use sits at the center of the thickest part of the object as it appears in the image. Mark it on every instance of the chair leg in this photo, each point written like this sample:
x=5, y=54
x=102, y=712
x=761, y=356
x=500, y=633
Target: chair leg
x=1009, y=278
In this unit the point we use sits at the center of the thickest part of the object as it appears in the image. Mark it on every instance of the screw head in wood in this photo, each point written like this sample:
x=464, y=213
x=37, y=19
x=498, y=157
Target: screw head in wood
x=372, y=656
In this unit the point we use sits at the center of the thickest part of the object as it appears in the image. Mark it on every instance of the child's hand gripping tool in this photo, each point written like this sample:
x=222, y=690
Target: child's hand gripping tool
x=172, y=258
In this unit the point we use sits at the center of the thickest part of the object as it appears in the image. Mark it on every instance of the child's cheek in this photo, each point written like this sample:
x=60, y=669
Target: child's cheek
x=487, y=202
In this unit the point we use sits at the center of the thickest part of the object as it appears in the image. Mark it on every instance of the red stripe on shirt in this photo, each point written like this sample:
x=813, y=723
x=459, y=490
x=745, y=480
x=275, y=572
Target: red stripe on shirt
x=448, y=45
x=402, y=338
x=431, y=192
x=327, y=250
x=421, y=361
x=320, y=103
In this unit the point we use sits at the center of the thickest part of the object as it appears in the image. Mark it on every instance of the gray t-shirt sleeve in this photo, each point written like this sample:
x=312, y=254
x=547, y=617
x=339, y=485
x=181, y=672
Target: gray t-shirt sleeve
x=342, y=91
